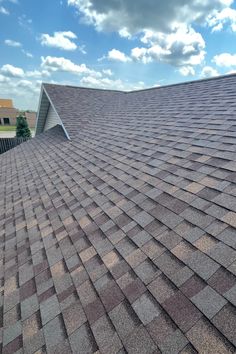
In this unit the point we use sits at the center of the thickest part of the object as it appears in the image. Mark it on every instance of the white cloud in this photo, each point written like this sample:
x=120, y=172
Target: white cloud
x=187, y=71
x=183, y=47
x=219, y=19
x=166, y=27
x=107, y=72
x=16, y=44
x=12, y=43
x=61, y=40
x=131, y=17
x=54, y=64
x=82, y=49
x=28, y=54
x=141, y=54
x=225, y=59
x=107, y=83
x=25, y=22
x=4, y=79
x=117, y=55
x=124, y=33
x=9, y=70
x=25, y=84
x=36, y=74
x=208, y=71
x=4, y=11
x=231, y=72
x=25, y=93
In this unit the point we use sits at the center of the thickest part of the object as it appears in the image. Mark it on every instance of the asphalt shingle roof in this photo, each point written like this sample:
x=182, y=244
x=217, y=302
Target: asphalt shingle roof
x=123, y=239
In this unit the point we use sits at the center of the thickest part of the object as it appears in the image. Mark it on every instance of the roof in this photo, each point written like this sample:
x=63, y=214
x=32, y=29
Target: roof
x=6, y=103
x=123, y=238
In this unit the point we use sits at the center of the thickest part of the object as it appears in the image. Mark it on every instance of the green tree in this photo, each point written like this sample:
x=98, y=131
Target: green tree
x=22, y=128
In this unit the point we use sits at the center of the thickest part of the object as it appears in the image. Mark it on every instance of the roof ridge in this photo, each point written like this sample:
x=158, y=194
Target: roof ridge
x=184, y=83
x=148, y=88
x=83, y=87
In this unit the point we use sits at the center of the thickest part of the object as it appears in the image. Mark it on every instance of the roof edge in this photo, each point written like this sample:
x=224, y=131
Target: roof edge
x=84, y=87
x=148, y=88
x=37, y=115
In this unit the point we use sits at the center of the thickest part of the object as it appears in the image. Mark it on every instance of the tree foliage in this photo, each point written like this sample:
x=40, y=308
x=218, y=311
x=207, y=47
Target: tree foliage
x=22, y=128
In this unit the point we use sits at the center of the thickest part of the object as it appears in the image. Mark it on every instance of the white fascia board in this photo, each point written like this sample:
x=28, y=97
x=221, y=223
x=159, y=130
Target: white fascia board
x=39, y=104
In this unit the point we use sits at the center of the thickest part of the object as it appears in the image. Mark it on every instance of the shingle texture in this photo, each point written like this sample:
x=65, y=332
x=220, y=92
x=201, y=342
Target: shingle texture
x=123, y=239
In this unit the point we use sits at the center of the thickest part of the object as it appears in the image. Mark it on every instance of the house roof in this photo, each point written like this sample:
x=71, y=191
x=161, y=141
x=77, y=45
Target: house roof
x=123, y=238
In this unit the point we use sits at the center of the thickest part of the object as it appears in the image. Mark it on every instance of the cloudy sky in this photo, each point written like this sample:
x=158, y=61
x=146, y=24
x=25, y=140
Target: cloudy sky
x=117, y=44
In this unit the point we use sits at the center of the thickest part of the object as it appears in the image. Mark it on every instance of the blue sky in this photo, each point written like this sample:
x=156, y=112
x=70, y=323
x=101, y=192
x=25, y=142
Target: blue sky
x=115, y=44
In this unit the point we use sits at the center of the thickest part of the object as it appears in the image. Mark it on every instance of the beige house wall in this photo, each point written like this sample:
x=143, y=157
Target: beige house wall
x=12, y=113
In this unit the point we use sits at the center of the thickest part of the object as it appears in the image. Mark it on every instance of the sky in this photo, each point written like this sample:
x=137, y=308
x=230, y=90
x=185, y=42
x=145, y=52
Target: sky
x=112, y=44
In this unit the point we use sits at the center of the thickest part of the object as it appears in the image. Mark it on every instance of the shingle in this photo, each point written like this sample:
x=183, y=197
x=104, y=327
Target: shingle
x=161, y=288
x=147, y=271
x=208, y=301
x=161, y=328
x=189, y=349
x=140, y=342
x=169, y=239
x=231, y=295
x=29, y=306
x=82, y=340
x=12, y=332
x=49, y=309
x=203, y=265
x=152, y=249
x=111, y=297
x=222, y=280
x=124, y=319
x=226, y=201
x=193, y=286
x=225, y=321
x=223, y=254
x=206, y=243
x=146, y=308
x=105, y=335
x=228, y=236
x=141, y=238
x=143, y=218
x=183, y=312
x=197, y=217
x=73, y=317
x=173, y=343
x=134, y=289
x=206, y=338
x=54, y=332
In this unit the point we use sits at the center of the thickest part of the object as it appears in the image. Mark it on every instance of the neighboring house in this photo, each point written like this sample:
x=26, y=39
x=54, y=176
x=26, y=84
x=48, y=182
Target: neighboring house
x=8, y=114
x=117, y=225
